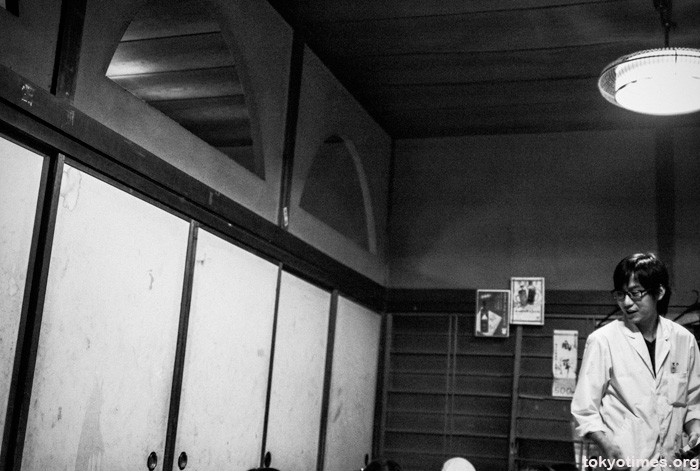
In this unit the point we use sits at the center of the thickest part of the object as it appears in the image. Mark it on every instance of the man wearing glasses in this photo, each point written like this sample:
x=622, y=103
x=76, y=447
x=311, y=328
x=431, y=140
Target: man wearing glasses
x=639, y=385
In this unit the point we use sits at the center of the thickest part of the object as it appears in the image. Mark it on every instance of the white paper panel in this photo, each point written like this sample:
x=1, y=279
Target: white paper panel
x=353, y=382
x=104, y=369
x=19, y=187
x=227, y=358
x=297, y=376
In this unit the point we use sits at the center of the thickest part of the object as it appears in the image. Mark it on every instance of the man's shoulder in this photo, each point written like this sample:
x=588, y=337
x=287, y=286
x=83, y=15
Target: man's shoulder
x=611, y=327
x=675, y=328
x=606, y=332
x=673, y=325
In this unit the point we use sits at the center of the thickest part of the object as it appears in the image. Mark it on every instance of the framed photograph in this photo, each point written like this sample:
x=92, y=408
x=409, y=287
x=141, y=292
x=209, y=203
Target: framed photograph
x=492, y=313
x=527, y=296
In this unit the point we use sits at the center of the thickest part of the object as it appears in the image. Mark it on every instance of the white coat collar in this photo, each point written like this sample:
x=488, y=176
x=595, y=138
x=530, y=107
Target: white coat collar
x=663, y=334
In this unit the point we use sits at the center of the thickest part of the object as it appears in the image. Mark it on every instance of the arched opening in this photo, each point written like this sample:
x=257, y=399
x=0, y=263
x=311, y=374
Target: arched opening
x=174, y=57
x=333, y=192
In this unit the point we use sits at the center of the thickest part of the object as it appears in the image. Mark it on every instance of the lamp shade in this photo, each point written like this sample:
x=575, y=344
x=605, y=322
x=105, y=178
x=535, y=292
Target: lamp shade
x=663, y=81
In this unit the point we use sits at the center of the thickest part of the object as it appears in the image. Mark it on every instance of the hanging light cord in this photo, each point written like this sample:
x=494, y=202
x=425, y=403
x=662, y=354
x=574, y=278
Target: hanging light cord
x=664, y=8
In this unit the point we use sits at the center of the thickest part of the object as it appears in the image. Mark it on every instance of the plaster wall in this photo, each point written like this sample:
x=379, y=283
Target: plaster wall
x=686, y=269
x=326, y=109
x=260, y=42
x=29, y=40
x=258, y=39
x=472, y=212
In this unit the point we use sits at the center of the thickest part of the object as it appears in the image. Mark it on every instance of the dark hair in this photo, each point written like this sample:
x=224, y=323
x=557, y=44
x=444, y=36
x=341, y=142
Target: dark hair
x=382, y=464
x=649, y=271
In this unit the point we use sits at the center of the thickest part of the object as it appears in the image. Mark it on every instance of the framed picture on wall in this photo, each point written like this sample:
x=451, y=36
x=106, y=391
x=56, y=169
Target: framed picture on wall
x=527, y=296
x=492, y=313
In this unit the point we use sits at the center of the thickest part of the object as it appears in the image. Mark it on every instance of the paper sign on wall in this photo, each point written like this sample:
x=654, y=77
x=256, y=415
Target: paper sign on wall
x=492, y=313
x=527, y=297
x=564, y=362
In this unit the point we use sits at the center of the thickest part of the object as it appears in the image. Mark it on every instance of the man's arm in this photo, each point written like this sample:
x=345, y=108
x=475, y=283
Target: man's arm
x=586, y=403
x=608, y=447
x=592, y=382
x=692, y=428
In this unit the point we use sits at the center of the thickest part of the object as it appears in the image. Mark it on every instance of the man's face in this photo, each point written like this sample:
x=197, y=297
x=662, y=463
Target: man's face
x=640, y=312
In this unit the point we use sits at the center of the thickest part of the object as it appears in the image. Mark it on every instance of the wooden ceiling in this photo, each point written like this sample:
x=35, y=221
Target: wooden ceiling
x=465, y=67
x=421, y=68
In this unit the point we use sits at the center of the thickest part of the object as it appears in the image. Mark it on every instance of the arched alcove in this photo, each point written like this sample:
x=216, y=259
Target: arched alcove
x=174, y=57
x=335, y=192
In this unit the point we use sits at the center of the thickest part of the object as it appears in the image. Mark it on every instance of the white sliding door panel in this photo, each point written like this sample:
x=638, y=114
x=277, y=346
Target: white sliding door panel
x=19, y=189
x=101, y=390
x=227, y=359
x=353, y=383
x=297, y=375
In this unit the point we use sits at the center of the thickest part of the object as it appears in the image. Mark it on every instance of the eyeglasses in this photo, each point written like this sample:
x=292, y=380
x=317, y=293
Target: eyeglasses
x=635, y=295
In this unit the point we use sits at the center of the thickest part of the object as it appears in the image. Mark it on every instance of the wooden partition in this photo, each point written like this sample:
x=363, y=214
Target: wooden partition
x=19, y=192
x=103, y=374
x=543, y=432
x=148, y=339
x=450, y=393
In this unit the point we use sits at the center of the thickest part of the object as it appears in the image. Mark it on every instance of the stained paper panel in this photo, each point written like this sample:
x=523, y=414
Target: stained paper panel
x=297, y=375
x=19, y=188
x=104, y=367
x=353, y=383
x=227, y=361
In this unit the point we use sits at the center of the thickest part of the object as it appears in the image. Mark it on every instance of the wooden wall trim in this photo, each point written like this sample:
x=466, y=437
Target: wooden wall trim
x=515, y=393
x=22, y=379
x=270, y=371
x=32, y=111
x=325, y=400
x=463, y=300
x=181, y=346
x=69, y=44
x=290, y=131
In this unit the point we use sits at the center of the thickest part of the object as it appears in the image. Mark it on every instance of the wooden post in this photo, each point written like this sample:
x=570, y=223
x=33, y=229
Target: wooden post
x=513, y=445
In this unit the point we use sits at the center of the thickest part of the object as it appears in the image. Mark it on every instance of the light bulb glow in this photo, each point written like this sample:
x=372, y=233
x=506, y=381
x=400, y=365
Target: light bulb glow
x=657, y=81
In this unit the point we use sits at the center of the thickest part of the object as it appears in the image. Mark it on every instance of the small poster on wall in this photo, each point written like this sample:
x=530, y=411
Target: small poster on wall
x=492, y=313
x=564, y=362
x=528, y=301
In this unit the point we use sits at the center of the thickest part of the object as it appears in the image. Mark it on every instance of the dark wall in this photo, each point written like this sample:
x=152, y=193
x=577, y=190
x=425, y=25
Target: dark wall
x=472, y=212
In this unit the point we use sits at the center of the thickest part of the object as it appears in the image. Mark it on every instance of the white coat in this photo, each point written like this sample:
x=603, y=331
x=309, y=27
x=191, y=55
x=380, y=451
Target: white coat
x=619, y=393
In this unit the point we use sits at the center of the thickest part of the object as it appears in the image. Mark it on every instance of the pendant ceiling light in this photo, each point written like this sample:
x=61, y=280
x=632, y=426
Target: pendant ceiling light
x=664, y=81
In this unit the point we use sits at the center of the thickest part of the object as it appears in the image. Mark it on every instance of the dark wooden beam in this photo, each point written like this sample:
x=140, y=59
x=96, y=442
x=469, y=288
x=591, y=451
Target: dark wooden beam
x=475, y=67
x=163, y=19
x=273, y=342
x=68, y=47
x=464, y=300
x=22, y=378
x=578, y=24
x=597, y=115
x=341, y=10
x=179, y=363
x=325, y=400
x=290, y=132
x=515, y=392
